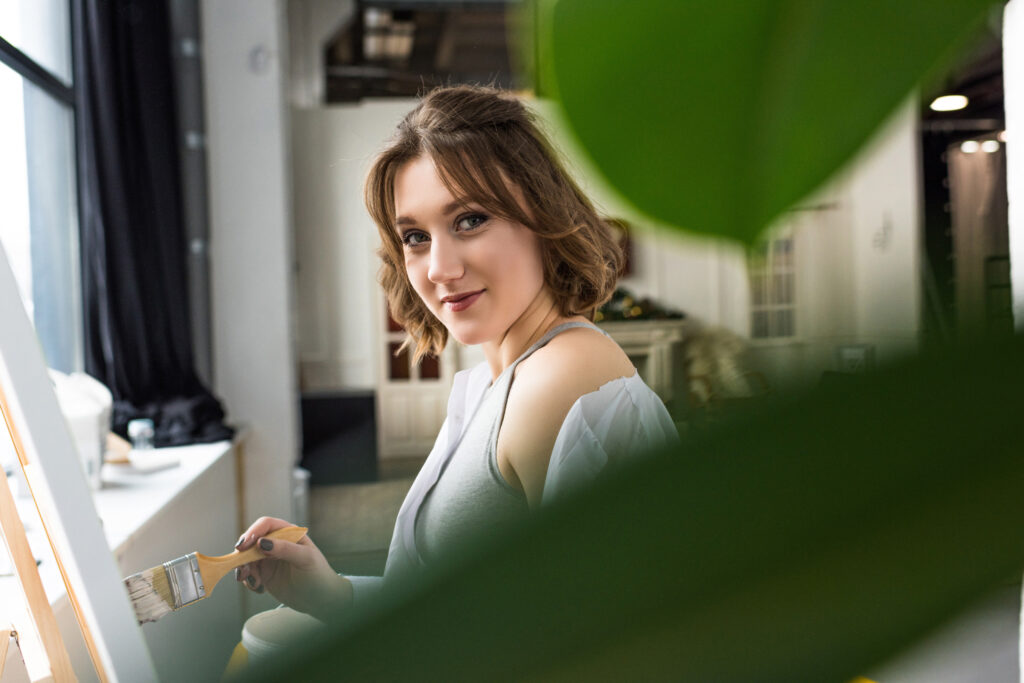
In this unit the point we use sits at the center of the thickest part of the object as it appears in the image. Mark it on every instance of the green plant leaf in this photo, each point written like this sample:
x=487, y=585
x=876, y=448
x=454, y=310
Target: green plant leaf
x=805, y=541
x=717, y=116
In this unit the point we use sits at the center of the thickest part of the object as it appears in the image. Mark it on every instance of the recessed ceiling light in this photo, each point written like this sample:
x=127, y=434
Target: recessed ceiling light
x=969, y=146
x=990, y=146
x=949, y=103
x=1002, y=136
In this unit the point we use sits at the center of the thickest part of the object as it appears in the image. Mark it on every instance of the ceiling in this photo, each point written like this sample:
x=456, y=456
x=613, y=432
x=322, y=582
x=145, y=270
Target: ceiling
x=978, y=75
x=467, y=41
x=400, y=49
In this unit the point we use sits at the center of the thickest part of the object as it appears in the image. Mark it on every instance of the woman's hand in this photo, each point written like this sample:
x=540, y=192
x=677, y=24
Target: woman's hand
x=297, y=574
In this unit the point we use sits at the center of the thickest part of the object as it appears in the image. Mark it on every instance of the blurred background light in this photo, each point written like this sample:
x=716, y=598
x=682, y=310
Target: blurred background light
x=949, y=103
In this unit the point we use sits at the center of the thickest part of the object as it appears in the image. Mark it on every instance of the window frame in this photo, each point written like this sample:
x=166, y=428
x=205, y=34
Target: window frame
x=38, y=75
x=766, y=267
x=65, y=95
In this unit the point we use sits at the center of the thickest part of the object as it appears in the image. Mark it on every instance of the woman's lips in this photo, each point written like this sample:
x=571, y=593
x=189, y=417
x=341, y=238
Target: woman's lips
x=460, y=302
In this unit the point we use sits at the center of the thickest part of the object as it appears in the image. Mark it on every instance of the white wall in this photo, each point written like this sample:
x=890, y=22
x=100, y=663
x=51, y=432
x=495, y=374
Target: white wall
x=251, y=253
x=340, y=307
x=858, y=260
x=885, y=202
x=311, y=23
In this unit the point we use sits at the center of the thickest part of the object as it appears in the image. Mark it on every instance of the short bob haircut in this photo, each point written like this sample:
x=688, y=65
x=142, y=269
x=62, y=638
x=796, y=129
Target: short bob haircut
x=484, y=142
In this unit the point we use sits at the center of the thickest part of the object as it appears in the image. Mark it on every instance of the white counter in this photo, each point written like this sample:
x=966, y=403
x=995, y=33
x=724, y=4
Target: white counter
x=131, y=503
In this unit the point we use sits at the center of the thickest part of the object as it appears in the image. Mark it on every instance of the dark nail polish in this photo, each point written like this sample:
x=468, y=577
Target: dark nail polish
x=251, y=580
x=266, y=544
x=238, y=573
x=241, y=540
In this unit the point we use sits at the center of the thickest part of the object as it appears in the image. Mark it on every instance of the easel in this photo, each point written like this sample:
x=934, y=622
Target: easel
x=32, y=420
x=40, y=612
x=12, y=665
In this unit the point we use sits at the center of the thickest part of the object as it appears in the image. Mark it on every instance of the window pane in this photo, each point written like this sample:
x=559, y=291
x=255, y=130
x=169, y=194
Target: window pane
x=757, y=289
x=39, y=230
x=41, y=29
x=430, y=368
x=783, y=249
x=782, y=288
x=398, y=368
x=778, y=290
x=759, y=325
x=782, y=323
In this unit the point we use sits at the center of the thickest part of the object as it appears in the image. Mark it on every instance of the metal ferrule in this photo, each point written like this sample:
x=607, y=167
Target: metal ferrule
x=185, y=580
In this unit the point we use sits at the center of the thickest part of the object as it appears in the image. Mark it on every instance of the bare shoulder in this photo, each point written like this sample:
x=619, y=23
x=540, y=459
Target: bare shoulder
x=547, y=384
x=576, y=362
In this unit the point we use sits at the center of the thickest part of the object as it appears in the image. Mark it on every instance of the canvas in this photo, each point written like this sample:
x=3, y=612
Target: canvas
x=58, y=483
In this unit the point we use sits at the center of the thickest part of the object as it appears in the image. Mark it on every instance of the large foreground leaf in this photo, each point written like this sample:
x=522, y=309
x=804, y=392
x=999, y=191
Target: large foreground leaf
x=805, y=542
x=717, y=116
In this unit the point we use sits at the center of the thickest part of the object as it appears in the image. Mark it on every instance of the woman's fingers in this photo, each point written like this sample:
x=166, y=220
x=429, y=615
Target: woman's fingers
x=242, y=573
x=250, y=576
x=299, y=554
x=261, y=527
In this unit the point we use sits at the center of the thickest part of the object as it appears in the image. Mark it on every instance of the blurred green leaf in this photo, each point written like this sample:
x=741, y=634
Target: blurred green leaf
x=717, y=116
x=805, y=541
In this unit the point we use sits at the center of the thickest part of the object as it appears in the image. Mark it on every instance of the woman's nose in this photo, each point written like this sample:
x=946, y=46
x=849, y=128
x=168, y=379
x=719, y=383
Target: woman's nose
x=445, y=262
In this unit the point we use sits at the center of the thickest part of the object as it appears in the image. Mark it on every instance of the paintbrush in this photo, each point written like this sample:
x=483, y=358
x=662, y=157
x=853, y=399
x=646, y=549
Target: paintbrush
x=172, y=585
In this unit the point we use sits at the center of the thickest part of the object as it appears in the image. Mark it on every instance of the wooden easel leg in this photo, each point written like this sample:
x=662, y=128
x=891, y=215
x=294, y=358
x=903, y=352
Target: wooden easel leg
x=28, y=576
x=90, y=643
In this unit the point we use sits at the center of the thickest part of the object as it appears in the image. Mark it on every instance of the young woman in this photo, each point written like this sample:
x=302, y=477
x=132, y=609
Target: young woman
x=485, y=238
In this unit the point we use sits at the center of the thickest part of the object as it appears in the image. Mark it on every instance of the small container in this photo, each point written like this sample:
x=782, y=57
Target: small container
x=85, y=404
x=268, y=634
x=140, y=432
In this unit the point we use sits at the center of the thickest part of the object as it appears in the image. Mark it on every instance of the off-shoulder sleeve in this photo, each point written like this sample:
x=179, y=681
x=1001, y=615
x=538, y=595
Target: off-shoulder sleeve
x=622, y=420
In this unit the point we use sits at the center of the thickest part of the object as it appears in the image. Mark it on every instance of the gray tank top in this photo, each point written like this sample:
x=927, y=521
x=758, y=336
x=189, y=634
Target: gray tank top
x=471, y=497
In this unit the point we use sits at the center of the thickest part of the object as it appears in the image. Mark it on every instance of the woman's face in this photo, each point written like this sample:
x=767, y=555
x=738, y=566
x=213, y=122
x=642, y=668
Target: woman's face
x=476, y=272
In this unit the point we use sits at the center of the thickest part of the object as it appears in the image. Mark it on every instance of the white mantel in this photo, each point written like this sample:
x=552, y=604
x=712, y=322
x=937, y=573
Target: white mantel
x=654, y=348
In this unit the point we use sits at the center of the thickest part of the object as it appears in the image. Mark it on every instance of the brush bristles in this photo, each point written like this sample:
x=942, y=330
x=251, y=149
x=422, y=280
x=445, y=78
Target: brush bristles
x=150, y=594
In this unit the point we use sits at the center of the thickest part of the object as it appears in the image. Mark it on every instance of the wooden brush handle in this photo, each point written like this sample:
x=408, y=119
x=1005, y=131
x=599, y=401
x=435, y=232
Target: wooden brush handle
x=213, y=569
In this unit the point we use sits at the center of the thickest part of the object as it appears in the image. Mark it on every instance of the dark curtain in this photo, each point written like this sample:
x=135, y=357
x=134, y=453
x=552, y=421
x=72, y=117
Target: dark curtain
x=138, y=338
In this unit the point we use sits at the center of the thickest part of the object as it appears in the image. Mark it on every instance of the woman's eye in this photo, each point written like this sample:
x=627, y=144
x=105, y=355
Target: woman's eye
x=413, y=238
x=471, y=221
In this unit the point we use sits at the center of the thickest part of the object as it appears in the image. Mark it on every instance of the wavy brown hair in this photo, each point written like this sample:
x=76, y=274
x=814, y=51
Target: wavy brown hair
x=485, y=142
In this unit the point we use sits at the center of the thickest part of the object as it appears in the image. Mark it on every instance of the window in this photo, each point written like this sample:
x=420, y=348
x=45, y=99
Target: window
x=400, y=365
x=39, y=230
x=772, y=288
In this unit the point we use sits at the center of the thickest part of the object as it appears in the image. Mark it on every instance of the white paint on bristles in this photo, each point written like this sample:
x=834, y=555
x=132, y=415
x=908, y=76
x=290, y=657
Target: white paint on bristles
x=150, y=594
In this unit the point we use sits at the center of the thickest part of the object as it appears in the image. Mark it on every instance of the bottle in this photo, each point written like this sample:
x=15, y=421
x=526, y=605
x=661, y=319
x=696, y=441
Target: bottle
x=140, y=432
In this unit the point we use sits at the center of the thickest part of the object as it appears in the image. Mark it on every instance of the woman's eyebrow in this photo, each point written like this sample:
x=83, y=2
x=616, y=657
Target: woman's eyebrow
x=449, y=208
